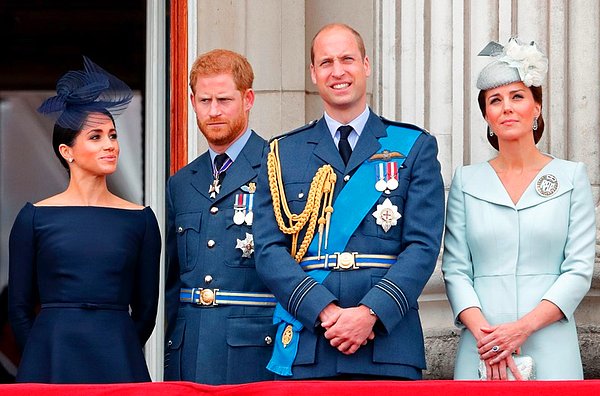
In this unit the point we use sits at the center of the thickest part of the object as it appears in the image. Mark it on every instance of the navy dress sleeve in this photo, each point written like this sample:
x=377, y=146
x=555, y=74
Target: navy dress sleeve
x=144, y=303
x=23, y=295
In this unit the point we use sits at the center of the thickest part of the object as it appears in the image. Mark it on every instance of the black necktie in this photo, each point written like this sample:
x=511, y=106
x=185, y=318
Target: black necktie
x=219, y=161
x=344, y=145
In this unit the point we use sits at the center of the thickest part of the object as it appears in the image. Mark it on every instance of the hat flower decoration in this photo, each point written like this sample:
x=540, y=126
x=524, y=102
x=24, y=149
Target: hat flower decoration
x=516, y=61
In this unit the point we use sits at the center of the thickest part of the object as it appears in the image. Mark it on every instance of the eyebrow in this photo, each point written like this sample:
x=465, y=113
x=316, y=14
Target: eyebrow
x=96, y=130
x=510, y=92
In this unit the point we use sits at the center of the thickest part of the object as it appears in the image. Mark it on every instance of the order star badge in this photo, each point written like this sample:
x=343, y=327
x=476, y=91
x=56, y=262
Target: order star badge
x=246, y=245
x=387, y=215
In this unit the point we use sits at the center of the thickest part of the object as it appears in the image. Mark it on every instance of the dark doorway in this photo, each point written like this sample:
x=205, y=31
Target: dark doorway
x=41, y=39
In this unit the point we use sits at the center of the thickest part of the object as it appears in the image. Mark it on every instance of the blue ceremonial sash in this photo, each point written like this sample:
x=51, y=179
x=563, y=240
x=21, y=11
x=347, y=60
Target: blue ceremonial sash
x=348, y=213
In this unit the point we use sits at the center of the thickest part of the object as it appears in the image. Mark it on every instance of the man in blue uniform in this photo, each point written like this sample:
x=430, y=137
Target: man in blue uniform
x=219, y=312
x=352, y=210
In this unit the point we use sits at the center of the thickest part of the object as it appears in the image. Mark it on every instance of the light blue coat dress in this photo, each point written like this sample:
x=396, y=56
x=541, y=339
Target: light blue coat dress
x=506, y=258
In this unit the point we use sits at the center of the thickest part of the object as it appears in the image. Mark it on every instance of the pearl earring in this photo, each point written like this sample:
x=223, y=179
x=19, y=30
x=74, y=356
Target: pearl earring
x=491, y=133
x=71, y=160
x=535, y=124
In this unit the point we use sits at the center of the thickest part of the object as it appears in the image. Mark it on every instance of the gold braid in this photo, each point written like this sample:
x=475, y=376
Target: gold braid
x=321, y=192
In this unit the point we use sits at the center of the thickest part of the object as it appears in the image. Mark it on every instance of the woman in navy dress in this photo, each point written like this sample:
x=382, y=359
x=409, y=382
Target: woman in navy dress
x=89, y=258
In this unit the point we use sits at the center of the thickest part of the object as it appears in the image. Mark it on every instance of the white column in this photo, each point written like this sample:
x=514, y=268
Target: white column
x=155, y=164
x=583, y=74
x=556, y=88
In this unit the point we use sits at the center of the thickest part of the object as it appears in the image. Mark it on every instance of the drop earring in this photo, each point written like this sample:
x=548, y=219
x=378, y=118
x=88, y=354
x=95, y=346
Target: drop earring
x=491, y=132
x=535, y=124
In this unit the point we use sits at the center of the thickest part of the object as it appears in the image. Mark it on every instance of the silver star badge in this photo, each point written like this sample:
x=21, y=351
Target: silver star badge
x=387, y=215
x=214, y=188
x=246, y=245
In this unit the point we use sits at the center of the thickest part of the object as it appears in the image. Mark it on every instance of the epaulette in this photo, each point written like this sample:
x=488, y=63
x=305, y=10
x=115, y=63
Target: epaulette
x=302, y=128
x=404, y=125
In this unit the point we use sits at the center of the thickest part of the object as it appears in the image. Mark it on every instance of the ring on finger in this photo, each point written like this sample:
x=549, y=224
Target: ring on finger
x=495, y=349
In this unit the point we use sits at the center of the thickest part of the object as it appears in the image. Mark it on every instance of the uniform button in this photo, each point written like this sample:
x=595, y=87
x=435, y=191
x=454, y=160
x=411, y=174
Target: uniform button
x=179, y=229
x=214, y=210
x=170, y=343
x=346, y=178
x=300, y=195
x=268, y=340
x=208, y=279
x=210, y=243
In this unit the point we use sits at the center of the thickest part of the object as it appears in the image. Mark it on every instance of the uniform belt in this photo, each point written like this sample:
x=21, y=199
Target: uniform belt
x=214, y=297
x=92, y=306
x=346, y=261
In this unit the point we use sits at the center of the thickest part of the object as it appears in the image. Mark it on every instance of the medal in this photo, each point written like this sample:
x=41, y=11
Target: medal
x=546, y=185
x=392, y=175
x=246, y=245
x=380, y=185
x=387, y=215
x=240, y=209
x=287, y=335
x=215, y=186
x=250, y=215
x=238, y=217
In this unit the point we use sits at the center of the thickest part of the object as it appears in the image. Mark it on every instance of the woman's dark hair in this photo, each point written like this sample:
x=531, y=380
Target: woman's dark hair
x=60, y=136
x=537, y=134
x=67, y=136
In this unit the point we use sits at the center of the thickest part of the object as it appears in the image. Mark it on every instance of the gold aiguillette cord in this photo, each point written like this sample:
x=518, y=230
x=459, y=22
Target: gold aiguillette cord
x=320, y=193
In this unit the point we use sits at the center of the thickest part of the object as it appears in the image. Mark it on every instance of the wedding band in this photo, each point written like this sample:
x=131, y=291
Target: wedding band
x=495, y=349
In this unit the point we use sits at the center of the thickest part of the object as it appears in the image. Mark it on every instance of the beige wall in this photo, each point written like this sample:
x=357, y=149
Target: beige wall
x=427, y=48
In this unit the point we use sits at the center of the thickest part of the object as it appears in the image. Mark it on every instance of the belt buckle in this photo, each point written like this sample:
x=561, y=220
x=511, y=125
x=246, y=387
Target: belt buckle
x=345, y=261
x=206, y=297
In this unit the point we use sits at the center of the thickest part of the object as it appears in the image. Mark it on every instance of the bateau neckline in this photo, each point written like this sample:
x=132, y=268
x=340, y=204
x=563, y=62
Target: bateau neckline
x=88, y=206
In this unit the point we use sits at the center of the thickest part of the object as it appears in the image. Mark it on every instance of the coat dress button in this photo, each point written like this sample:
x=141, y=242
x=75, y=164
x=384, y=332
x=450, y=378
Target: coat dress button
x=179, y=229
x=214, y=210
x=210, y=243
x=208, y=279
x=268, y=340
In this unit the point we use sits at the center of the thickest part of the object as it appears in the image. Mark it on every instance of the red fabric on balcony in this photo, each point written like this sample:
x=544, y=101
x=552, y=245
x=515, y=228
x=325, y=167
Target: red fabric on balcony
x=316, y=388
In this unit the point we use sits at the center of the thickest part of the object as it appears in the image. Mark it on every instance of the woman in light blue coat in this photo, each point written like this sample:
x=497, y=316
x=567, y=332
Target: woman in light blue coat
x=520, y=234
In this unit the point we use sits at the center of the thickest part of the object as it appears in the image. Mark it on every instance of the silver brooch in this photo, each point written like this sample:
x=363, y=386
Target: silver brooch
x=387, y=215
x=546, y=185
x=246, y=245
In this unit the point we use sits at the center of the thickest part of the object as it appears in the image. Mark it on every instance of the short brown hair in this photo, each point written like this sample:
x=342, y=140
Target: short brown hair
x=359, y=41
x=537, y=134
x=219, y=61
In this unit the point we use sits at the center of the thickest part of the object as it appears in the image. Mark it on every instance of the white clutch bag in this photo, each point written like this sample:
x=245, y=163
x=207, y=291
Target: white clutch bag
x=524, y=364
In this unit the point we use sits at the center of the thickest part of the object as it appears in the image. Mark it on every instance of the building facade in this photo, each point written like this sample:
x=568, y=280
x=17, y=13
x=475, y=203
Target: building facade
x=423, y=56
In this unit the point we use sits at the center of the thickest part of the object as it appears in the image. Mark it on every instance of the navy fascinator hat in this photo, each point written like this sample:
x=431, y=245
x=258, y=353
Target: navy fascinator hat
x=82, y=93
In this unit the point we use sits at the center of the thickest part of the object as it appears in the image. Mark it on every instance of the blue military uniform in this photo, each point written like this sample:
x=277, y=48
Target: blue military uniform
x=412, y=241
x=214, y=336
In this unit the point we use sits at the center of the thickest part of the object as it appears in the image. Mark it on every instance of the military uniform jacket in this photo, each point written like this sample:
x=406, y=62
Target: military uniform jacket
x=392, y=293
x=213, y=344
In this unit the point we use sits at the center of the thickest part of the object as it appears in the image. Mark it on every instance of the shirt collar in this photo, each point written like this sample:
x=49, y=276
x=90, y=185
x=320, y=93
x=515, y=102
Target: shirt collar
x=358, y=123
x=235, y=149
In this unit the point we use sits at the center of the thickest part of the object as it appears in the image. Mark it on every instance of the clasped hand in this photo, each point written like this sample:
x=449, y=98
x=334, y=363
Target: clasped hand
x=497, y=346
x=347, y=329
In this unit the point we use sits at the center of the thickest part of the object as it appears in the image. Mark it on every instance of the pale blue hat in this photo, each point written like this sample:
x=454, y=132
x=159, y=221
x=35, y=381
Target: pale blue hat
x=514, y=62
